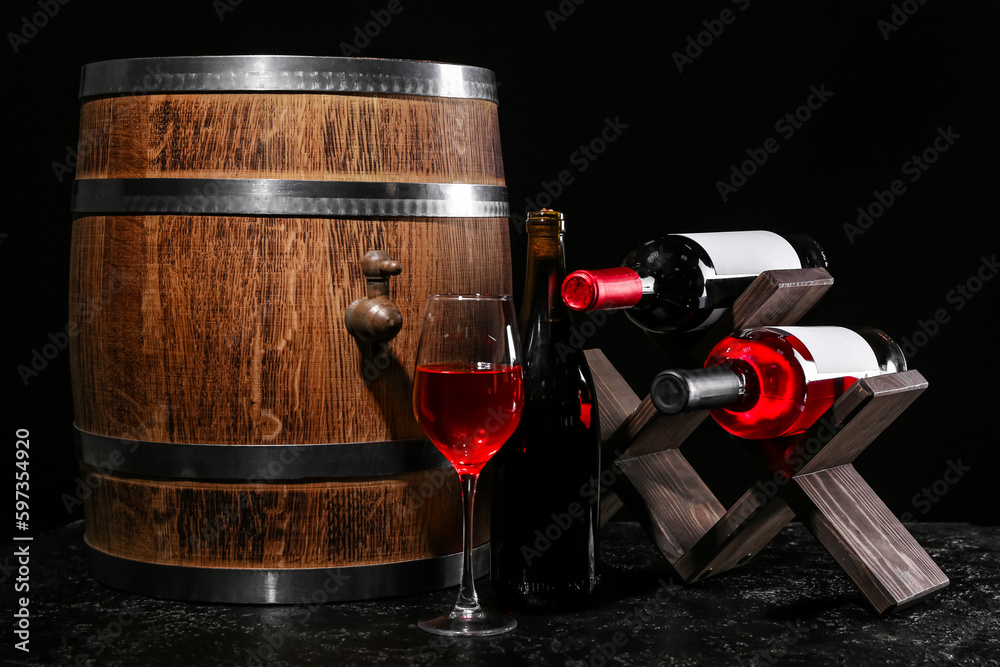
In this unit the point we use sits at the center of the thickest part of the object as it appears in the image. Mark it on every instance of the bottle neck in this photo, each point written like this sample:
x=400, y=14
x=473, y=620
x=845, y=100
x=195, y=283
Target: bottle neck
x=546, y=269
x=679, y=390
x=605, y=289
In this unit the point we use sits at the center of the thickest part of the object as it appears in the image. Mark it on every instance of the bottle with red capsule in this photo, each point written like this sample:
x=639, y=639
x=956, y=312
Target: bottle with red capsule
x=685, y=282
x=769, y=382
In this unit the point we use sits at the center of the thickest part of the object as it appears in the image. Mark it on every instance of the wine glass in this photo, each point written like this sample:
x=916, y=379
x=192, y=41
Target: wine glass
x=467, y=398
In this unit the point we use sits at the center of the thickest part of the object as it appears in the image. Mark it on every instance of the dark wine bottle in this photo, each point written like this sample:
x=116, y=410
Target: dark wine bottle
x=545, y=491
x=685, y=282
x=769, y=382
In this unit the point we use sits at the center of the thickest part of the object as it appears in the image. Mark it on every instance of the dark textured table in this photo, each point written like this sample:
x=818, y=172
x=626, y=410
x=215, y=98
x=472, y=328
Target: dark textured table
x=792, y=605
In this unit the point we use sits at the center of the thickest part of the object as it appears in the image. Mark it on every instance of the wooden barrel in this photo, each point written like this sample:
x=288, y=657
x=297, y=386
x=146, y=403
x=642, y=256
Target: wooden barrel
x=238, y=444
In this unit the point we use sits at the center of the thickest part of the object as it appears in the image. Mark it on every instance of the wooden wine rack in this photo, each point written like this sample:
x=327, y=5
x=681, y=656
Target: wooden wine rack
x=810, y=475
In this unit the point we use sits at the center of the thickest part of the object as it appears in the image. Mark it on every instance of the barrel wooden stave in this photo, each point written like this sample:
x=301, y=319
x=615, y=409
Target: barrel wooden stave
x=183, y=320
x=308, y=524
x=391, y=138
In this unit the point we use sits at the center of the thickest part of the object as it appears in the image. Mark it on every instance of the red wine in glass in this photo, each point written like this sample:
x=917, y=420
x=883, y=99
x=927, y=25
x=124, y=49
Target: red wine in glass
x=467, y=410
x=467, y=399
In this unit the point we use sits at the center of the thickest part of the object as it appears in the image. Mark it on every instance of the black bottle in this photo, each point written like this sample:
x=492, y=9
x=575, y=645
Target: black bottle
x=545, y=505
x=685, y=282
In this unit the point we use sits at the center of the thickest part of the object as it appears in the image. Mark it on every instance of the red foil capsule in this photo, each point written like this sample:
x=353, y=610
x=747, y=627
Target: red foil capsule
x=602, y=289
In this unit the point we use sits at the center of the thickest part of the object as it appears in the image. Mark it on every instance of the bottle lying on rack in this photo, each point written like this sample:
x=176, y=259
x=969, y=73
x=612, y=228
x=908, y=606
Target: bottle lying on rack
x=768, y=382
x=544, y=521
x=684, y=282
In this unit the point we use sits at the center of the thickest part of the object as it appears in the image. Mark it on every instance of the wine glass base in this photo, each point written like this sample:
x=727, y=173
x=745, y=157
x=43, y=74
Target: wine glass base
x=459, y=623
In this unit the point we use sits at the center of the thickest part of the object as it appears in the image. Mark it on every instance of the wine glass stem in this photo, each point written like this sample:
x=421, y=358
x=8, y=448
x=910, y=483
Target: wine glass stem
x=468, y=601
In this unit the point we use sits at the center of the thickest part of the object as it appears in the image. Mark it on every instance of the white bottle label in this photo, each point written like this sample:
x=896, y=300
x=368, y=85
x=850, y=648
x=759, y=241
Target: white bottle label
x=836, y=351
x=746, y=253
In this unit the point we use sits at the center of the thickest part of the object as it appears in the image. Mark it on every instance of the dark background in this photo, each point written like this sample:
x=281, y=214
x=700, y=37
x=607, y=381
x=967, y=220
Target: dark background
x=565, y=71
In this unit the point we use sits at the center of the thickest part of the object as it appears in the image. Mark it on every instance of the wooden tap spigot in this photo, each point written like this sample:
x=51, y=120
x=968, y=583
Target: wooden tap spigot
x=375, y=318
